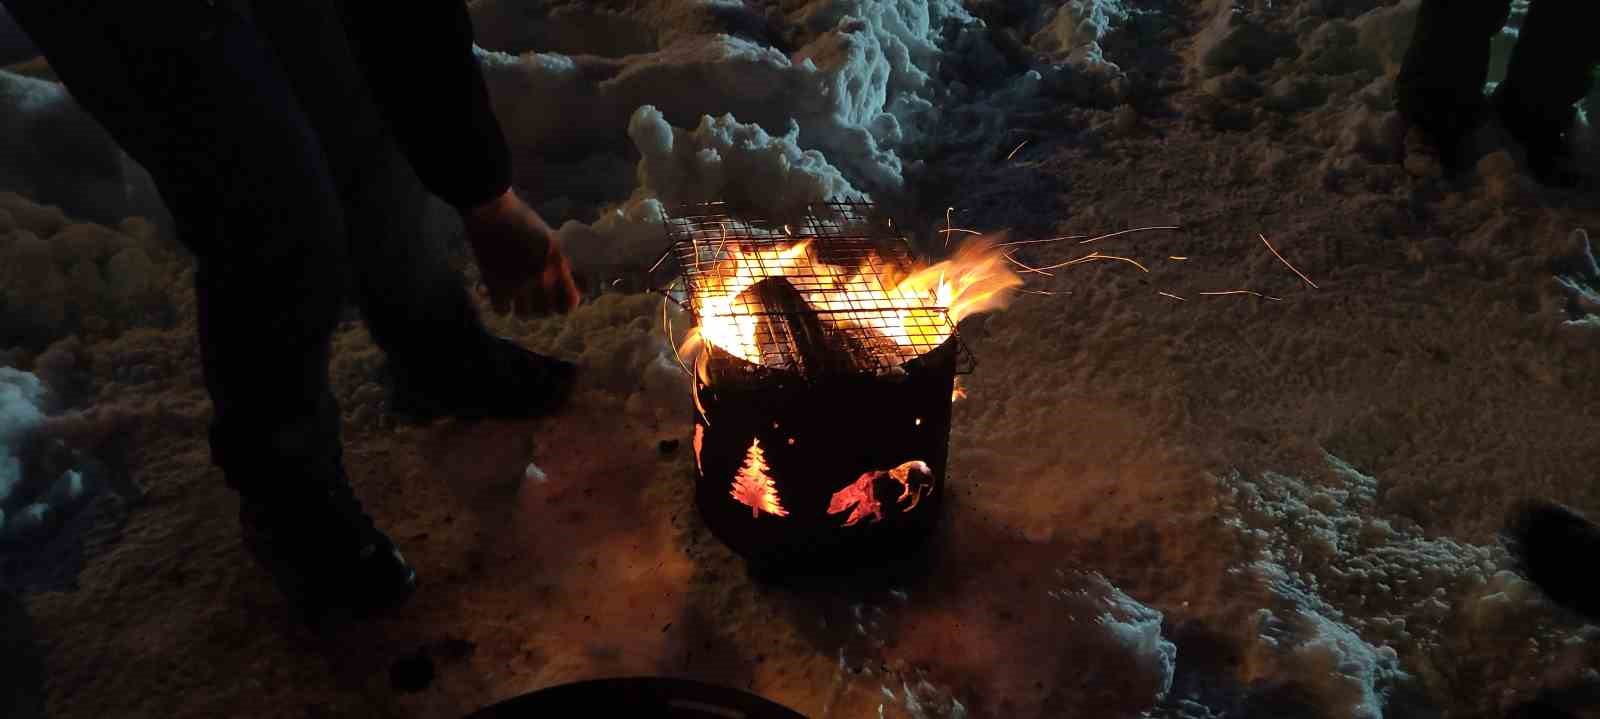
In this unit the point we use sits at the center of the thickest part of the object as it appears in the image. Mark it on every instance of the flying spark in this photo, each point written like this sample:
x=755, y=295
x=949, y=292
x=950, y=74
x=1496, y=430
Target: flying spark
x=1026, y=268
x=1124, y=232
x=1039, y=242
x=1286, y=262
x=1173, y=296
x=1014, y=150
x=1091, y=257
x=1243, y=292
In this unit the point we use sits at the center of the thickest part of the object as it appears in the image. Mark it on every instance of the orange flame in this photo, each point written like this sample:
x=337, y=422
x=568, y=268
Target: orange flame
x=753, y=488
x=918, y=309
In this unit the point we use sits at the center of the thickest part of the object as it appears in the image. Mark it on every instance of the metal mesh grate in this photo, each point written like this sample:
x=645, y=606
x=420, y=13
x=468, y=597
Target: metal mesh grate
x=823, y=308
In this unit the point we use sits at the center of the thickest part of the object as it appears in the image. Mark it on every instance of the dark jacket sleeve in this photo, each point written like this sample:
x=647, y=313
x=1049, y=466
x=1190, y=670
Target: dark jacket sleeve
x=417, y=57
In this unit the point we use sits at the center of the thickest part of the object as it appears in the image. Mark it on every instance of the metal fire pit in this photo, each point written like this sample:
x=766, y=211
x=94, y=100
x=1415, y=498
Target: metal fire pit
x=829, y=449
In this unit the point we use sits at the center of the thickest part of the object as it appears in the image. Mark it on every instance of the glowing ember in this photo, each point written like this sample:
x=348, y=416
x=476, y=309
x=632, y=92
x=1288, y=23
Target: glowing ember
x=918, y=309
x=958, y=393
x=859, y=494
x=699, y=440
x=753, y=488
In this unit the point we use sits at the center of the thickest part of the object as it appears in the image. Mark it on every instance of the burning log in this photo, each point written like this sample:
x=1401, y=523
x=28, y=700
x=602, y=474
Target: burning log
x=784, y=317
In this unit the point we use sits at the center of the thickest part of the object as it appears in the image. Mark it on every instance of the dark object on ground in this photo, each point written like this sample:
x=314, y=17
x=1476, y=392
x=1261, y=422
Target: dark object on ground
x=667, y=446
x=323, y=551
x=1440, y=86
x=638, y=697
x=1558, y=550
x=412, y=673
x=1539, y=710
x=487, y=377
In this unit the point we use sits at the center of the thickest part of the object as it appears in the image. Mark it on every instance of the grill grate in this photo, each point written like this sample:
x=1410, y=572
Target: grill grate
x=820, y=309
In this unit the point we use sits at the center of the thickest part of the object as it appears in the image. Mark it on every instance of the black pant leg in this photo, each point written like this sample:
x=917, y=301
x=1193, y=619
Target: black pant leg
x=411, y=296
x=1552, y=64
x=191, y=93
x=1447, y=63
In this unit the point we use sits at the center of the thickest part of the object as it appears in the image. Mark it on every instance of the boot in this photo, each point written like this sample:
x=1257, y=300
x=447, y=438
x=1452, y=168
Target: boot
x=1555, y=548
x=484, y=377
x=324, y=552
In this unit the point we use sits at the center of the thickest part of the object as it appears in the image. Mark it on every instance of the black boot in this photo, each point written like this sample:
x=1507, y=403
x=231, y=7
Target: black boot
x=483, y=377
x=324, y=552
x=1556, y=549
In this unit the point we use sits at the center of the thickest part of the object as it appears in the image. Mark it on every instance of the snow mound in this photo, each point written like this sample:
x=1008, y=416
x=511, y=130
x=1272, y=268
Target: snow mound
x=1385, y=577
x=812, y=99
x=851, y=85
x=1123, y=650
x=1355, y=592
x=31, y=504
x=57, y=274
x=1325, y=659
x=1077, y=642
x=51, y=149
x=721, y=159
x=1386, y=32
x=1236, y=37
x=1074, y=33
x=21, y=397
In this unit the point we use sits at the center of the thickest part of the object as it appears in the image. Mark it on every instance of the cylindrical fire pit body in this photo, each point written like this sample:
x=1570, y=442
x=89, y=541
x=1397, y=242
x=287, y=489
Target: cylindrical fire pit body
x=797, y=472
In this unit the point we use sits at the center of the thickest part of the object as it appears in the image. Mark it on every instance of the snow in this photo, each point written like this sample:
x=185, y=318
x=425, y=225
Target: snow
x=21, y=397
x=721, y=159
x=865, y=82
x=1126, y=647
x=52, y=151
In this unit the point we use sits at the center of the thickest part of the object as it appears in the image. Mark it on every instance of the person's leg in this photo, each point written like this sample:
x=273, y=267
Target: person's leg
x=189, y=98
x=1440, y=86
x=400, y=274
x=413, y=299
x=192, y=94
x=1549, y=72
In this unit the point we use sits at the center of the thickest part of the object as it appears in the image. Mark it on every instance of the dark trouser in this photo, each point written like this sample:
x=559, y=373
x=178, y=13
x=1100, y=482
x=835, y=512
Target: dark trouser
x=284, y=184
x=1447, y=62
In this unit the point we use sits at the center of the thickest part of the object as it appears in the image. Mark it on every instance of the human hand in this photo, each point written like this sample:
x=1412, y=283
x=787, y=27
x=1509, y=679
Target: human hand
x=519, y=258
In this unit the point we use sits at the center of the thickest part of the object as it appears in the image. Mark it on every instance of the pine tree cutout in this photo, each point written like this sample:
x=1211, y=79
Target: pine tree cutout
x=753, y=488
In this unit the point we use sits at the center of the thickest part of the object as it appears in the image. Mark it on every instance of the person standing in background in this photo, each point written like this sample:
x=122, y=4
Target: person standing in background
x=1440, y=86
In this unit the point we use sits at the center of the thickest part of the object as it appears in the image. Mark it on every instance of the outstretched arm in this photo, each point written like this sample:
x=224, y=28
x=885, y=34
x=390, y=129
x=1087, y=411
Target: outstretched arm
x=418, y=60
x=447, y=129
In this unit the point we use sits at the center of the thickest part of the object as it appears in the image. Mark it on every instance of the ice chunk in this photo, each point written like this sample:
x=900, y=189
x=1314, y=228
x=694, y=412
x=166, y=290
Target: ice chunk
x=21, y=394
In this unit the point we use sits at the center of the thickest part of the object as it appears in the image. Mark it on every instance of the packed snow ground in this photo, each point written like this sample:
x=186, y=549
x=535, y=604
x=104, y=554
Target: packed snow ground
x=1179, y=505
